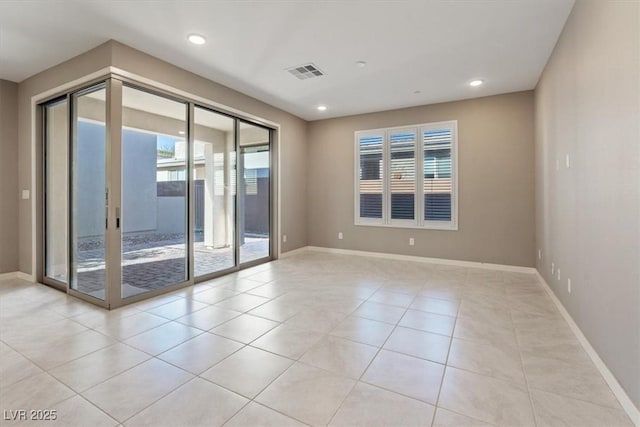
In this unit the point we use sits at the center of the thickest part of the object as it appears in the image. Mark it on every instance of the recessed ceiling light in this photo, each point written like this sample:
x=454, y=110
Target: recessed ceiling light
x=475, y=83
x=322, y=108
x=181, y=132
x=197, y=39
x=361, y=64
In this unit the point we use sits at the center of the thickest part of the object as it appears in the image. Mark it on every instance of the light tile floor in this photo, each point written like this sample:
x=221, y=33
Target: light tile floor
x=313, y=339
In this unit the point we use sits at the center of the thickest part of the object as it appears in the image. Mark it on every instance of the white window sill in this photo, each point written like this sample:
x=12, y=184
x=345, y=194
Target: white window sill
x=449, y=226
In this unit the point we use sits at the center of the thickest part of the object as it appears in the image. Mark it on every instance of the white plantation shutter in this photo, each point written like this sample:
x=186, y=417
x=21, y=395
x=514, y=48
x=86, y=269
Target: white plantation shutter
x=437, y=169
x=370, y=176
x=402, y=174
x=407, y=177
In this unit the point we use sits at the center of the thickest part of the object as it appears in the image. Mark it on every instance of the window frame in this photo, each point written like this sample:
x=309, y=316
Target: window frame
x=371, y=221
x=418, y=222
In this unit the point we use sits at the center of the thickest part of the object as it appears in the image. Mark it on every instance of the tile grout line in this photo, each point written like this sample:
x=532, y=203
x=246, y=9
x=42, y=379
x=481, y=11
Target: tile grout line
x=619, y=408
x=193, y=377
x=446, y=362
x=524, y=373
x=359, y=379
x=69, y=361
x=92, y=404
x=269, y=408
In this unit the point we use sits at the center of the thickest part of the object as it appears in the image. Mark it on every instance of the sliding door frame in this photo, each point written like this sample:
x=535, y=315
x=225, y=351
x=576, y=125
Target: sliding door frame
x=70, y=195
x=234, y=268
x=240, y=179
x=114, y=81
x=190, y=191
x=43, y=136
x=39, y=145
x=113, y=289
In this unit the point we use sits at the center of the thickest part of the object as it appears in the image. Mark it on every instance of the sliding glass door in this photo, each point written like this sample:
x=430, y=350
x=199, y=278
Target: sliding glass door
x=56, y=197
x=214, y=179
x=88, y=192
x=154, y=192
x=255, y=193
x=145, y=192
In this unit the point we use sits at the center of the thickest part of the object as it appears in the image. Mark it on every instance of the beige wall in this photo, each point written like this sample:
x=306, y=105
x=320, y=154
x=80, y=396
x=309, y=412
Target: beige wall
x=8, y=176
x=496, y=193
x=588, y=106
x=292, y=134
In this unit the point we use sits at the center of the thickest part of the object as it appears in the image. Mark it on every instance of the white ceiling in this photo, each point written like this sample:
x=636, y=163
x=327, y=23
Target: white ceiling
x=432, y=46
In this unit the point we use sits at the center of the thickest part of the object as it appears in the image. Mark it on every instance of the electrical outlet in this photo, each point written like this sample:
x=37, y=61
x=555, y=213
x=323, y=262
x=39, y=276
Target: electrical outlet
x=25, y=195
x=558, y=273
x=411, y=241
x=553, y=268
x=569, y=285
x=340, y=235
x=284, y=238
x=539, y=254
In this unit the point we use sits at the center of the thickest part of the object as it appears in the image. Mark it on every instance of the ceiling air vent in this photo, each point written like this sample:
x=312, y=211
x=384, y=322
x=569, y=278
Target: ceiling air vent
x=307, y=71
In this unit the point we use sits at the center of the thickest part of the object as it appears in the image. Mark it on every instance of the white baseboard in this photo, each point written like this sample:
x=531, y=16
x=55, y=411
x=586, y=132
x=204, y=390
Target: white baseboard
x=24, y=276
x=615, y=386
x=471, y=264
x=293, y=252
x=7, y=276
x=17, y=275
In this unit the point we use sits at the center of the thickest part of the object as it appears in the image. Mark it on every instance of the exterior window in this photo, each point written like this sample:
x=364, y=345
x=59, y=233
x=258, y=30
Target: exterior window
x=389, y=191
x=437, y=174
x=370, y=176
x=402, y=147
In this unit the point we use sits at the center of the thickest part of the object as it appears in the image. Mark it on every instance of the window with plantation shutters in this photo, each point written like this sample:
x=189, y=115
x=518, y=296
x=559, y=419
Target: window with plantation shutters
x=370, y=176
x=402, y=174
x=406, y=177
x=437, y=169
